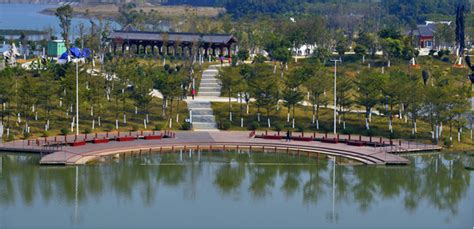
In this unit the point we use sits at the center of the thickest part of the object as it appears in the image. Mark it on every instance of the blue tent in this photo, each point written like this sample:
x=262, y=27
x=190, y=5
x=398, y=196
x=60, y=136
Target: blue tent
x=63, y=56
x=86, y=53
x=75, y=52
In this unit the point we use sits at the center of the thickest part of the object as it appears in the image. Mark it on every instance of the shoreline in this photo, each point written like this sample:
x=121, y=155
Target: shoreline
x=51, y=12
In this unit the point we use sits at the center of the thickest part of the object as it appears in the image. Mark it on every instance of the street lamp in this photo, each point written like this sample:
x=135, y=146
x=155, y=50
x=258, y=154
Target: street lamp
x=77, y=97
x=335, y=96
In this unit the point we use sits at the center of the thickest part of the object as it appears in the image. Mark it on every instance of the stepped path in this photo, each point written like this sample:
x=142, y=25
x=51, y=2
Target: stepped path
x=202, y=116
x=209, y=86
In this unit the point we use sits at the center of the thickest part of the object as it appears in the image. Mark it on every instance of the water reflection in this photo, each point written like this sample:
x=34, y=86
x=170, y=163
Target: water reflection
x=434, y=181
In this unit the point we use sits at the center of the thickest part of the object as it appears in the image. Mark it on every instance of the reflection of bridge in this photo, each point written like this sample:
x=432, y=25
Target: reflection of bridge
x=218, y=141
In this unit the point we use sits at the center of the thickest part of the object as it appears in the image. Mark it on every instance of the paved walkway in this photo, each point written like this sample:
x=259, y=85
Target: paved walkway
x=202, y=116
x=224, y=140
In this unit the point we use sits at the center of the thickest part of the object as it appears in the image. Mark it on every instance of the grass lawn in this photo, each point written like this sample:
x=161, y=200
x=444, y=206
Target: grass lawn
x=58, y=119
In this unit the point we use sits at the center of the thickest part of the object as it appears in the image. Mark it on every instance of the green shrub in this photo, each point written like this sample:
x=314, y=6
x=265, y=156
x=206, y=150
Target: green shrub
x=254, y=125
x=224, y=124
x=347, y=131
x=157, y=127
x=278, y=127
x=234, y=60
x=447, y=142
x=369, y=132
x=11, y=137
x=87, y=130
x=45, y=134
x=300, y=128
x=133, y=127
x=26, y=135
x=258, y=59
x=108, y=128
x=324, y=127
x=64, y=131
x=186, y=126
x=393, y=135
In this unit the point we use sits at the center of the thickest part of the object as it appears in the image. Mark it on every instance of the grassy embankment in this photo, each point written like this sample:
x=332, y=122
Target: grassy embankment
x=111, y=11
x=354, y=121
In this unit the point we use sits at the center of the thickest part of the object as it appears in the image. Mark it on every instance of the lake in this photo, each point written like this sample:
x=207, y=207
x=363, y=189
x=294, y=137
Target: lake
x=235, y=190
x=27, y=16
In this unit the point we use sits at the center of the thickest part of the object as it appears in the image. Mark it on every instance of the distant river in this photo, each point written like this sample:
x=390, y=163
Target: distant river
x=28, y=16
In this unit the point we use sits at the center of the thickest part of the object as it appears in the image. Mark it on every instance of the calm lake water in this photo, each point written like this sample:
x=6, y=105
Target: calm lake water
x=27, y=16
x=234, y=190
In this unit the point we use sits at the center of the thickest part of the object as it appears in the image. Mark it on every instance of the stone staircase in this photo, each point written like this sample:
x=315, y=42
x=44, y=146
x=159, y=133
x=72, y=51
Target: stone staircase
x=202, y=117
x=209, y=86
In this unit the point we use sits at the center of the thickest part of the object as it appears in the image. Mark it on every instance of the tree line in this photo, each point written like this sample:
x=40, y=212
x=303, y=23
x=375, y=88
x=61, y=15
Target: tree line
x=435, y=96
x=45, y=95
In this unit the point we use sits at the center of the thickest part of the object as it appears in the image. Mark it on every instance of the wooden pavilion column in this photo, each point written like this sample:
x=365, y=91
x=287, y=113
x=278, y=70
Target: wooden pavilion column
x=213, y=50
x=228, y=50
x=206, y=49
x=159, y=45
x=221, y=52
x=137, y=45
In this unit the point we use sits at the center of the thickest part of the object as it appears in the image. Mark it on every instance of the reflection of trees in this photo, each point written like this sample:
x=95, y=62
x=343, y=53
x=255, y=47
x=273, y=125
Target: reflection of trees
x=291, y=182
x=441, y=181
x=314, y=187
x=229, y=179
x=365, y=188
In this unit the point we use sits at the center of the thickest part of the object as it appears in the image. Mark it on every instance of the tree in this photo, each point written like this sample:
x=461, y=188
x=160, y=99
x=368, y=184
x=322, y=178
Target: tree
x=393, y=88
x=265, y=89
x=243, y=54
x=228, y=79
x=344, y=97
x=360, y=50
x=391, y=48
x=47, y=87
x=292, y=93
x=27, y=90
x=96, y=95
x=369, y=41
x=266, y=95
x=342, y=44
x=64, y=14
x=7, y=83
x=415, y=95
x=317, y=85
x=444, y=35
x=369, y=84
x=321, y=54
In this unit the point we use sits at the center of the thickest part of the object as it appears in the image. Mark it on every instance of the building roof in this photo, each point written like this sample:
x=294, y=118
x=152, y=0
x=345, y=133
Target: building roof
x=427, y=30
x=173, y=37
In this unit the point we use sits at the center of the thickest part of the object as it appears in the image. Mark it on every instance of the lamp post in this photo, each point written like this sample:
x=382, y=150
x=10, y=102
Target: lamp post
x=77, y=97
x=335, y=96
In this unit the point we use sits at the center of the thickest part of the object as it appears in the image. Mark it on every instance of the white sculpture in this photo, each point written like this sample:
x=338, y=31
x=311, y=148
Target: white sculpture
x=10, y=55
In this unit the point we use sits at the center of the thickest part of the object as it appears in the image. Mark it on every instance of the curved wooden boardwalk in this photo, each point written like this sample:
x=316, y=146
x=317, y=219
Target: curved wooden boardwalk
x=221, y=140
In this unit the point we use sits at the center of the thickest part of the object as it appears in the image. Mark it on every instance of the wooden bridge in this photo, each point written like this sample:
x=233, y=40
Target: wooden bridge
x=74, y=150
